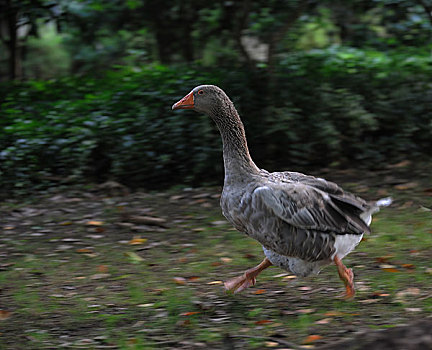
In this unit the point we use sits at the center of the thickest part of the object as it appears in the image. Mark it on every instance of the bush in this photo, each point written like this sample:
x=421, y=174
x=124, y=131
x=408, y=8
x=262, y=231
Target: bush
x=324, y=107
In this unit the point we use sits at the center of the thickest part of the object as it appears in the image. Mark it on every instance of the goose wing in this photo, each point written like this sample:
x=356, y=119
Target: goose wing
x=308, y=207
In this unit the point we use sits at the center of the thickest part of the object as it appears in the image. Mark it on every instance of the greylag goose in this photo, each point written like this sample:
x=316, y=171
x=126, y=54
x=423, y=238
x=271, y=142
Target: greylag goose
x=302, y=222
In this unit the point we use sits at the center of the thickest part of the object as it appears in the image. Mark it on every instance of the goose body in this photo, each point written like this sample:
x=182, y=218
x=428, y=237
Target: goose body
x=302, y=222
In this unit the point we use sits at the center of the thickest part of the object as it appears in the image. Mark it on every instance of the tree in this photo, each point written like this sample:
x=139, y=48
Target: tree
x=18, y=20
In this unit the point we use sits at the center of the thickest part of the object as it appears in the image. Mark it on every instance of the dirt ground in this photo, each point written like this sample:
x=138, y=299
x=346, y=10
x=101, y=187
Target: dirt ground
x=99, y=267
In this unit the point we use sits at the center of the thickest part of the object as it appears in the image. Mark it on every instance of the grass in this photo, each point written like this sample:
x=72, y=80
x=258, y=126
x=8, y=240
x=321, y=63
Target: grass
x=76, y=285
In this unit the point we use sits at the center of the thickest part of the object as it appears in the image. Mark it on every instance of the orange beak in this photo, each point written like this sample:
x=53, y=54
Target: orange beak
x=186, y=102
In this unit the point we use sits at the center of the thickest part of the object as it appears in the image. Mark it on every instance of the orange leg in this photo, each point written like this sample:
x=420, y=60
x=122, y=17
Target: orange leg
x=347, y=276
x=240, y=283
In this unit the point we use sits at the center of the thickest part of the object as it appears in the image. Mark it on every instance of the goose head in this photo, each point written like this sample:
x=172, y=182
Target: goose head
x=204, y=98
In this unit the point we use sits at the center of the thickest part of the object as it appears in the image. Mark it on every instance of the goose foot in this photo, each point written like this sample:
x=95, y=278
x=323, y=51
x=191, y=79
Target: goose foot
x=248, y=279
x=347, y=276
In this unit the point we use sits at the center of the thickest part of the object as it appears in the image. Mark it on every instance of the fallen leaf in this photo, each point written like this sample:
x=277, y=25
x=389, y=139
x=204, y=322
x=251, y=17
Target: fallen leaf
x=4, y=315
x=193, y=278
x=180, y=280
x=271, y=344
x=259, y=291
x=99, y=276
x=290, y=277
x=148, y=220
x=189, y=313
x=102, y=268
x=402, y=164
x=383, y=259
x=8, y=227
x=145, y=305
x=413, y=309
x=84, y=251
x=226, y=260
x=324, y=321
x=132, y=341
x=306, y=311
x=219, y=222
x=280, y=275
x=135, y=258
x=408, y=266
x=390, y=269
x=137, y=240
x=263, y=322
x=379, y=294
x=311, y=339
x=215, y=282
x=305, y=288
x=406, y=186
x=66, y=223
x=95, y=223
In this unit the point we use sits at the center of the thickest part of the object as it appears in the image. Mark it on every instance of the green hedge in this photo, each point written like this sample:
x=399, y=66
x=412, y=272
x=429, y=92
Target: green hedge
x=326, y=107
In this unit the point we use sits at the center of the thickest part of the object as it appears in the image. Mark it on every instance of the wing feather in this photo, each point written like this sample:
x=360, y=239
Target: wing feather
x=308, y=207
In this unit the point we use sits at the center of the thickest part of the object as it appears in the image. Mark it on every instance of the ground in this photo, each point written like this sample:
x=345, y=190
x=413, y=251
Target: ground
x=99, y=267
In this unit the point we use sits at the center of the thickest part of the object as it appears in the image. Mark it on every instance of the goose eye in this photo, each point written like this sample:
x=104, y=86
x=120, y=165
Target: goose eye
x=200, y=92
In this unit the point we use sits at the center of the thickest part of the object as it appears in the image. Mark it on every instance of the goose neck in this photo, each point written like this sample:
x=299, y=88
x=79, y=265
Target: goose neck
x=236, y=154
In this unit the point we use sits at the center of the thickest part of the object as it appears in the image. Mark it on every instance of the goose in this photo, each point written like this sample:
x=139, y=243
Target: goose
x=302, y=222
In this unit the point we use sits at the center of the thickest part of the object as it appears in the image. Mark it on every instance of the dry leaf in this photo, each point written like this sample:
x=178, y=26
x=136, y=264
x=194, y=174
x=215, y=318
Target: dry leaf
x=280, y=275
x=180, y=280
x=406, y=186
x=402, y=164
x=226, y=260
x=408, y=266
x=148, y=220
x=84, y=251
x=193, y=278
x=390, y=269
x=215, y=282
x=135, y=258
x=383, y=259
x=305, y=288
x=324, y=321
x=102, y=268
x=4, y=315
x=263, y=322
x=189, y=313
x=259, y=291
x=413, y=309
x=311, y=339
x=95, y=223
x=306, y=311
x=271, y=344
x=137, y=240
x=290, y=277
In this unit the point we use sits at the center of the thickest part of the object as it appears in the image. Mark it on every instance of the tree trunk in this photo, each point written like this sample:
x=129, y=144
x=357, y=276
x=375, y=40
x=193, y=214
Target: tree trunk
x=10, y=40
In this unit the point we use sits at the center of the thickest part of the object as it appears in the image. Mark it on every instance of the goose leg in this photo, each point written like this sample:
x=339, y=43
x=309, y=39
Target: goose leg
x=240, y=283
x=347, y=276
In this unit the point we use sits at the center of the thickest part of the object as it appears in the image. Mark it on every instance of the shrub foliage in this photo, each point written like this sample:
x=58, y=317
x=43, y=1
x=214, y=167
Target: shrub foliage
x=325, y=107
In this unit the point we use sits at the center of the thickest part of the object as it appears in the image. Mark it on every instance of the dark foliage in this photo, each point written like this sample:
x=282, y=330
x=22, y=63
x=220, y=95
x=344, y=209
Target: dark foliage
x=326, y=107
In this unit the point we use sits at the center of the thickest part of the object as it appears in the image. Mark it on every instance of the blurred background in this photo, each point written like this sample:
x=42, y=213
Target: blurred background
x=87, y=87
